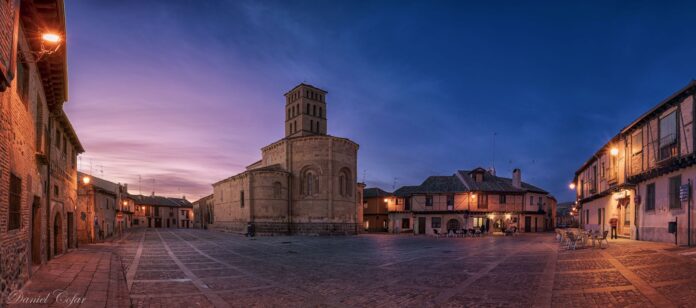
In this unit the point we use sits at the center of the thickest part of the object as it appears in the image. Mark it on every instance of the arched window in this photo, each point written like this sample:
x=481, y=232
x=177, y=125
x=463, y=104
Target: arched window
x=307, y=110
x=320, y=114
x=317, y=127
x=310, y=182
x=277, y=190
x=311, y=125
x=345, y=187
x=314, y=110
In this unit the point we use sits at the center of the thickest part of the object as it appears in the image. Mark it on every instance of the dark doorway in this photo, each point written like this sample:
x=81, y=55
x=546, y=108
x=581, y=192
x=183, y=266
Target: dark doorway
x=527, y=224
x=421, y=225
x=71, y=224
x=158, y=222
x=36, y=231
x=57, y=235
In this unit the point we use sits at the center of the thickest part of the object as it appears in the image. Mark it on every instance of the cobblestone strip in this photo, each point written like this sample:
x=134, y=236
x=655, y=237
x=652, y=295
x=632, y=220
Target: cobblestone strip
x=643, y=287
x=130, y=275
x=212, y=297
x=545, y=293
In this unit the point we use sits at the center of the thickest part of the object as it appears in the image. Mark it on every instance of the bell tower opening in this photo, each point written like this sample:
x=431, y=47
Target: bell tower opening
x=305, y=111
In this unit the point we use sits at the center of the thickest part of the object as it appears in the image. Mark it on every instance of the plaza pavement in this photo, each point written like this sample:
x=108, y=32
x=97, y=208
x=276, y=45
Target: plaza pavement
x=197, y=268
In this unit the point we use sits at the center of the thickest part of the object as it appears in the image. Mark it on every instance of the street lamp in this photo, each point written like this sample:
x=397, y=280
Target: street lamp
x=51, y=38
x=571, y=186
x=86, y=180
x=614, y=151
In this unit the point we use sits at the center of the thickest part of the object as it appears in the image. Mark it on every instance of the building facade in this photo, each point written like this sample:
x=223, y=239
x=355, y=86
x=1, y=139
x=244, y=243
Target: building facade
x=162, y=212
x=203, y=212
x=38, y=146
x=470, y=199
x=375, y=210
x=638, y=176
x=104, y=208
x=304, y=183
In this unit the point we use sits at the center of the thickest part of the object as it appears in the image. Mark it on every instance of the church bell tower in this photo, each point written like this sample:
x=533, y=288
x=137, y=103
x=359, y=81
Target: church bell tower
x=305, y=111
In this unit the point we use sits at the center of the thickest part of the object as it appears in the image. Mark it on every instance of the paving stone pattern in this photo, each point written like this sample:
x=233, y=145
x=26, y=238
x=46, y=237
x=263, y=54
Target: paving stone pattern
x=197, y=268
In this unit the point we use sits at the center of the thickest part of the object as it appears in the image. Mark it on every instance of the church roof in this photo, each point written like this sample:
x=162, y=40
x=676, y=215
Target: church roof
x=305, y=85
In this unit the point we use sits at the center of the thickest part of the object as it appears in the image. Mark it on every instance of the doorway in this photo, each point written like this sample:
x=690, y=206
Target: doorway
x=36, y=231
x=421, y=225
x=527, y=223
x=57, y=235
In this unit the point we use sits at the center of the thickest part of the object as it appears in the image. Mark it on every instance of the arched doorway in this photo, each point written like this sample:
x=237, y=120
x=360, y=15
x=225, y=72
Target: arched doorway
x=453, y=225
x=57, y=235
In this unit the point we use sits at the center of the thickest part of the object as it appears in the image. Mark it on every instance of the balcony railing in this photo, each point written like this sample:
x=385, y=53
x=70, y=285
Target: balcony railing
x=669, y=147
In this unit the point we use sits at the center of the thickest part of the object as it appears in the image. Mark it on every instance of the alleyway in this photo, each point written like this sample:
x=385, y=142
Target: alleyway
x=185, y=268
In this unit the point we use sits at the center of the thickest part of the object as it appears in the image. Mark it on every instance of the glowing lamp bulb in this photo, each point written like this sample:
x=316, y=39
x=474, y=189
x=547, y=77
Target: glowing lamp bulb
x=571, y=186
x=51, y=38
x=386, y=200
x=614, y=151
x=86, y=180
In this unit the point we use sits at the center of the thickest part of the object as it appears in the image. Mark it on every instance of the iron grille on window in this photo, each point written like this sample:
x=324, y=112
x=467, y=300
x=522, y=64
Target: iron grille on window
x=15, y=202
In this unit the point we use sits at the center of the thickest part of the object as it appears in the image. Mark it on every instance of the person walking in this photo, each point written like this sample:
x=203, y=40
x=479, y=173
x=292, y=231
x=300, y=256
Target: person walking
x=614, y=222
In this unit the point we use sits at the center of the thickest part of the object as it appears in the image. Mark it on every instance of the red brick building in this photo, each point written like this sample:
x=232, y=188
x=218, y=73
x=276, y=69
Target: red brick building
x=38, y=146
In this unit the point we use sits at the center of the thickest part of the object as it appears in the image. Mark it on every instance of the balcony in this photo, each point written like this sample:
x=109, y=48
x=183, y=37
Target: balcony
x=669, y=148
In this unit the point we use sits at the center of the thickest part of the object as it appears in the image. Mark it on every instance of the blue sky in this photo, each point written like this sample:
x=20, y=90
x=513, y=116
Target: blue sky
x=185, y=93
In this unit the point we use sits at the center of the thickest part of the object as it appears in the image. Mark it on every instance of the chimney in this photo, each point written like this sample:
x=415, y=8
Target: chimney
x=517, y=178
x=491, y=170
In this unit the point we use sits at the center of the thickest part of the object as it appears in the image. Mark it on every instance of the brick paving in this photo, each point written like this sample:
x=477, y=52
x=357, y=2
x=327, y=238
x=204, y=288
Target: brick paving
x=196, y=268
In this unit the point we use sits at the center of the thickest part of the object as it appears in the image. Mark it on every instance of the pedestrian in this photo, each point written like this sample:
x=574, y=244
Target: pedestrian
x=614, y=222
x=250, y=230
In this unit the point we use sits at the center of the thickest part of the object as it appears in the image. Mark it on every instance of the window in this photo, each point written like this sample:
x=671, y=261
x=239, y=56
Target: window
x=428, y=200
x=482, y=201
x=241, y=198
x=56, y=191
x=311, y=125
x=277, y=190
x=405, y=223
x=320, y=112
x=599, y=216
x=627, y=215
x=478, y=222
x=22, y=80
x=15, y=203
x=637, y=143
x=674, y=183
x=531, y=200
x=650, y=197
x=310, y=183
x=407, y=206
x=307, y=110
x=436, y=222
x=502, y=199
x=365, y=205
x=317, y=130
x=314, y=110
x=593, y=188
x=668, y=136
x=450, y=202
x=398, y=201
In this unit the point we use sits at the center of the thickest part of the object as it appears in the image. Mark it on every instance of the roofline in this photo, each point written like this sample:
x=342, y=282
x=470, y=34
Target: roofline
x=658, y=106
x=306, y=85
x=593, y=158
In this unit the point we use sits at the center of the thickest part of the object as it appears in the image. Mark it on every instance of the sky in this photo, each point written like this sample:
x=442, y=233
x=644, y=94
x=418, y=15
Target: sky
x=172, y=96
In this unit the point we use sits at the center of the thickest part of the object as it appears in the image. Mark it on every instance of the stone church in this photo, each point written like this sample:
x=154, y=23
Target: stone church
x=304, y=183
